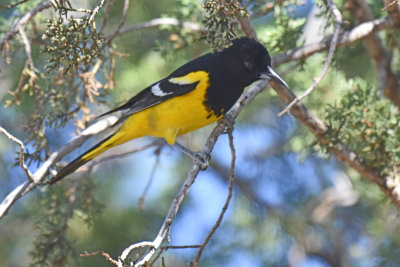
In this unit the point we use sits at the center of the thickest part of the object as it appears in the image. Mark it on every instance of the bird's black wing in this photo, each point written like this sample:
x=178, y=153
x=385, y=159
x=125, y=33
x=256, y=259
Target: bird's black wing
x=153, y=95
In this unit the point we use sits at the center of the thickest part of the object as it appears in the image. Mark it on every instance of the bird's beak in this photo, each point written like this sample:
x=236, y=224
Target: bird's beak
x=271, y=74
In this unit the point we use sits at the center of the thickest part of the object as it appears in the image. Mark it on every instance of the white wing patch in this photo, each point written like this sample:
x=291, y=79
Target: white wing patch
x=157, y=91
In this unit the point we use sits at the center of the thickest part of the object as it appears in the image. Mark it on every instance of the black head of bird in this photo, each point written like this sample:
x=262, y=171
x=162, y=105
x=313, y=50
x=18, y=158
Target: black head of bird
x=255, y=59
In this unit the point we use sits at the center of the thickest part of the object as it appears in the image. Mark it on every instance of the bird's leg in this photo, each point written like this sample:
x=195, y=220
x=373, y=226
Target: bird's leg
x=199, y=156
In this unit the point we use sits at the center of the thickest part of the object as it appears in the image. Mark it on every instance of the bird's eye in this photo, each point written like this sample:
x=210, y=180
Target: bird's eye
x=249, y=66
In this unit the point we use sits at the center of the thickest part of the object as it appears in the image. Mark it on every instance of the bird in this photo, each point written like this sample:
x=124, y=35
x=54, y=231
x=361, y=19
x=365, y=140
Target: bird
x=195, y=95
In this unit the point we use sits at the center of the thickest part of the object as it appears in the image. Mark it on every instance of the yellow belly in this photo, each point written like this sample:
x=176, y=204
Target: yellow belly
x=174, y=117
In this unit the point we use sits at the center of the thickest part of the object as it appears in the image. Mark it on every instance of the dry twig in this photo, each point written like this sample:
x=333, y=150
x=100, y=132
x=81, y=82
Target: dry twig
x=165, y=248
x=338, y=18
x=96, y=10
x=13, y=5
x=102, y=253
x=121, y=22
x=228, y=199
x=21, y=152
x=27, y=46
x=157, y=152
x=390, y=5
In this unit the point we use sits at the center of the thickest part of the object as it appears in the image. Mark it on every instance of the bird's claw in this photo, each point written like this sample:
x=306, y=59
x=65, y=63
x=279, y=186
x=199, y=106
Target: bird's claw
x=228, y=121
x=202, y=158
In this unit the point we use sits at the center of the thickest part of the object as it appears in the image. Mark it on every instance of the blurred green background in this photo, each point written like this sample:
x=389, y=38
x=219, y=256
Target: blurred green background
x=293, y=204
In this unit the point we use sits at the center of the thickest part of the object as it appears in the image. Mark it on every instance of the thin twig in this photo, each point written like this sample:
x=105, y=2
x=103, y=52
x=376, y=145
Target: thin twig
x=170, y=215
x=13, y=5
x=394, y=10
x=106, y=14
x=165, y=248
x=27, y=46
x=157, y=152
x=191, y=177
x=328, y=61
x=245, y=187
x=21, y=152
x=102, y=253
x=179, y=247
x=228, y=199
x=342, y=152
x=390, y=4
x=345, y=38
x=96, y=10
x=121, y=22
x=96, y=161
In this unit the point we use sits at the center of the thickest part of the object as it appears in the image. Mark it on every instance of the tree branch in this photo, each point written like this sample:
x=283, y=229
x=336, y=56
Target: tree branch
x=41, y=173
x=357, y=33
x=350, y=158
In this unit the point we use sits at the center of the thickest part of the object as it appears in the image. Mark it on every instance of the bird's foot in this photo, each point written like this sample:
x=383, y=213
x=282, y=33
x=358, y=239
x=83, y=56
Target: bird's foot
x=228, y=121
x=199, y=156
x=202, y=158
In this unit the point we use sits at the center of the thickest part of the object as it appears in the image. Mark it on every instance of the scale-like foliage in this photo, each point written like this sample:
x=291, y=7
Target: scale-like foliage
x=369, y=125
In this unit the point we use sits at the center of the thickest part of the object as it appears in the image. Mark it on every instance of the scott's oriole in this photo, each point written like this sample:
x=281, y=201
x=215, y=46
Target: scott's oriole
x=195, y=95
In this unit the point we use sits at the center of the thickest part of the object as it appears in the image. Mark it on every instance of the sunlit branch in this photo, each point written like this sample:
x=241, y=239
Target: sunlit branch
x=27, y=47
x=41, y=173
x=21, y=151
x=99, y=4
x=345, y=38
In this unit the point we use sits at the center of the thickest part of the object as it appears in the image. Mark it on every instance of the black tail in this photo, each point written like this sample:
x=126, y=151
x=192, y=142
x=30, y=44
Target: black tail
x=81, y=160
x=67, y=170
